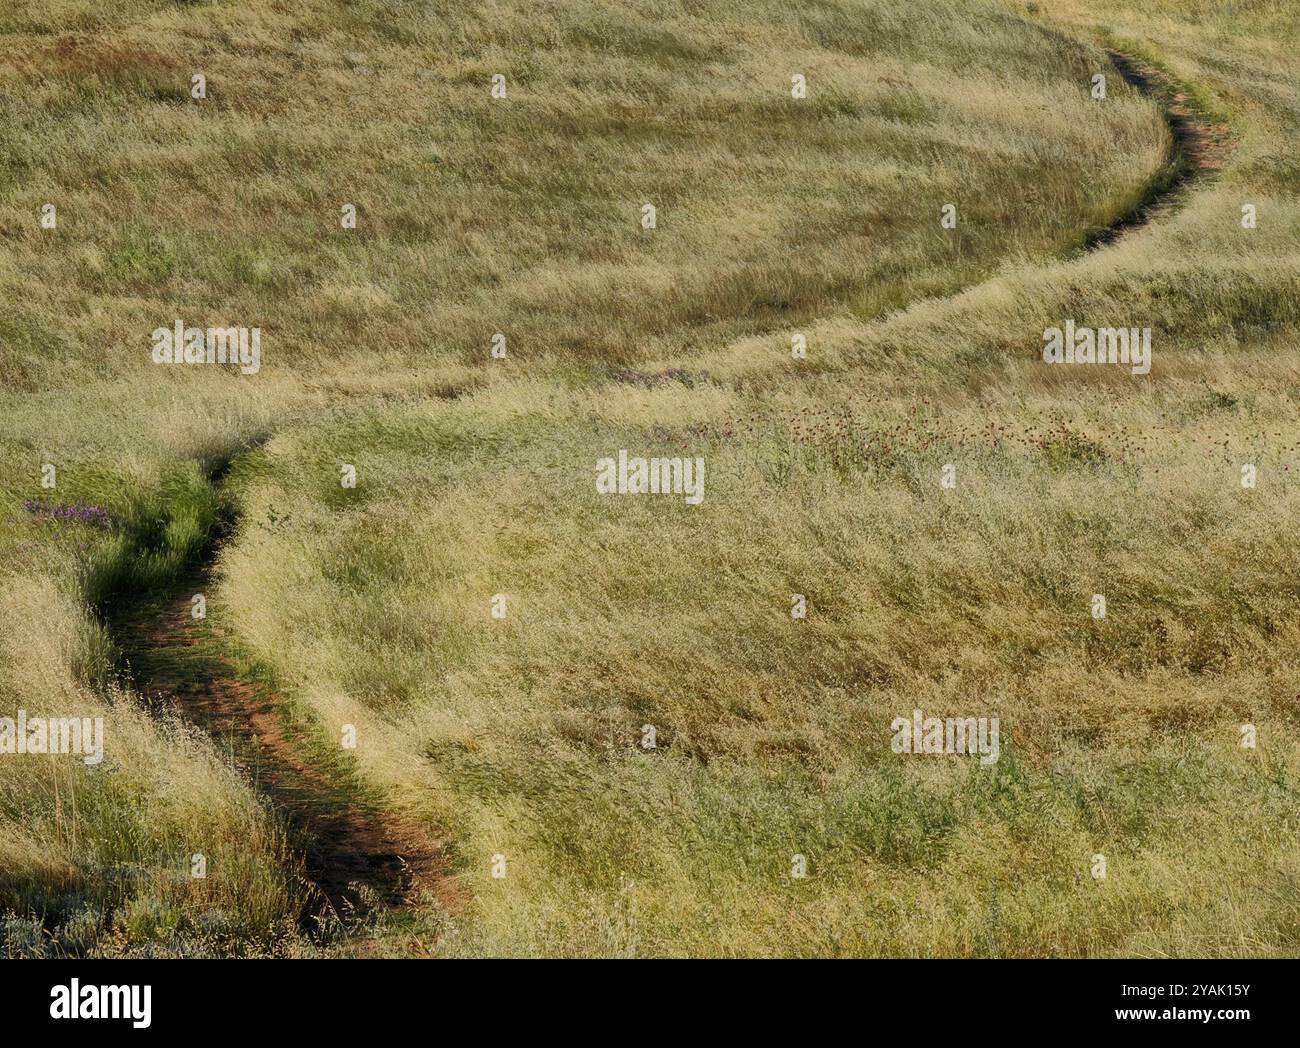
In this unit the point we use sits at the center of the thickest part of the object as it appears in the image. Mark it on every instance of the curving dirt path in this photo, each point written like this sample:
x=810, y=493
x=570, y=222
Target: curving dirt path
x=347, y=843
x=1198, y=150
x=181, y=662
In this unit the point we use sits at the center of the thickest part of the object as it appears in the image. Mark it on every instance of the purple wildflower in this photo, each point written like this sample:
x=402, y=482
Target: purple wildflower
x=77, y=512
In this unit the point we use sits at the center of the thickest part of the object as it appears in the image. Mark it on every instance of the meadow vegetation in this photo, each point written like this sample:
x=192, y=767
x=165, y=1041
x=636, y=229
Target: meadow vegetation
x=521, y=736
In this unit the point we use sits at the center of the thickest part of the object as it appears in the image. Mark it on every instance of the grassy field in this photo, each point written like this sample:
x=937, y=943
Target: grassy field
x=517, y=741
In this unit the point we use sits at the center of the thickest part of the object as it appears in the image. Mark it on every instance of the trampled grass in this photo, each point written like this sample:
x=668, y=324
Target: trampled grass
x=522, y=738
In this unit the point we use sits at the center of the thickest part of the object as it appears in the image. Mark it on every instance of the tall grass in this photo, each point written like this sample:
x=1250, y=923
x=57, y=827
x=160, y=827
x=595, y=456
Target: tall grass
x=522, y=737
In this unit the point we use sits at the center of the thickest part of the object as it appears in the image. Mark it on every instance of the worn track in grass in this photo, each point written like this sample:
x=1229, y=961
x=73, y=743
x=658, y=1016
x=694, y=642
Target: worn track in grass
x=347, y=843
x=184, y=663
x=1199, y=147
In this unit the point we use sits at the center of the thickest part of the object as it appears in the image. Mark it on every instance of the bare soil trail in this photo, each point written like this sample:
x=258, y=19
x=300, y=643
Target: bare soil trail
x=1204, y=145
x=1199, y=147
x=181, y=662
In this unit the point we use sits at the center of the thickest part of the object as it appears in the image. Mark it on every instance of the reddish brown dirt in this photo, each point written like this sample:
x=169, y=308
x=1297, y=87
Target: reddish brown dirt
x=180, y=662
x=1202, y=145
x=1199, y=148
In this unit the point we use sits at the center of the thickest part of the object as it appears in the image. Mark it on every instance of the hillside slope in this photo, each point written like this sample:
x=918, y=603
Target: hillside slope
x=521, y=740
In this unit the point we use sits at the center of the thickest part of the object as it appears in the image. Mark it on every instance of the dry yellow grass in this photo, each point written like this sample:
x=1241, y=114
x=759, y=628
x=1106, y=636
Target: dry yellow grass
x=521, y=736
